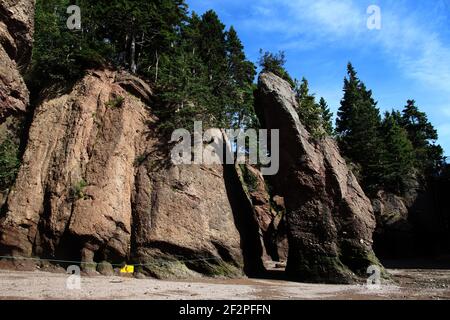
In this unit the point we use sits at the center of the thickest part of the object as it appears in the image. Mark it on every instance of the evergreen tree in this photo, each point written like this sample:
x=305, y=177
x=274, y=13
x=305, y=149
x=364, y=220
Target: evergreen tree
x=358, y=129
x=60, y=54
x=199, y=68
x=142, y=33
x=222, y=75
x=188, y=89
x=274, y=63
x=398, y=157
x=315, y=116
x=309, y=112
x=349, y=102
x=9, y=163
x=242, y=73
x=185, y=95
x=212, y=46
x=326, y=116
x=429, y=156
x=136, y=35
x=212, y=50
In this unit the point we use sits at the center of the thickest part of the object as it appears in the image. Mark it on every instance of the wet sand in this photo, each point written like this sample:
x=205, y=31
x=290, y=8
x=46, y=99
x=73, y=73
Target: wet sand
x=406, y=284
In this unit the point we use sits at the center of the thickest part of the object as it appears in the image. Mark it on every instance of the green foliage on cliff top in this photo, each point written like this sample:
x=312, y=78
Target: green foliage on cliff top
x=198, y=67
x=9, y=163
x=389, y=151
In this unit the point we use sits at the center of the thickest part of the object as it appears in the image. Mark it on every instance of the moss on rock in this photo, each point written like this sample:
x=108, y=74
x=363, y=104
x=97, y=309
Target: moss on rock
x=105, y=268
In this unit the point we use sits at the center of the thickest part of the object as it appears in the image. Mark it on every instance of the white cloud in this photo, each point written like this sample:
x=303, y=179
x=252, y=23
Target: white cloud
x=418, y=50
x=405, y=38
x=333, y=17
x=414, y=38
x=262, y=10
x=293, y=18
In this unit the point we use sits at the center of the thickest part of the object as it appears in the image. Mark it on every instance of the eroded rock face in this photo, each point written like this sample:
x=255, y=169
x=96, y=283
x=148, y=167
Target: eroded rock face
x=414, y=224
x=394, y=235
x=16, y=30
x=14, y=95
x=184, y=221
x=97, y=184
x=330, y=220
x=269, y=214
x=76, y=180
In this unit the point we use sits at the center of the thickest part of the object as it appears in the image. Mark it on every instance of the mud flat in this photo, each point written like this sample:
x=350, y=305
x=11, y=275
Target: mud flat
x=407, y=284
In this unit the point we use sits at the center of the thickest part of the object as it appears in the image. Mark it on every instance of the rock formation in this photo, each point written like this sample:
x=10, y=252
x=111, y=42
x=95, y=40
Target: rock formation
x=330, y=220
x=415, y=224
x=96, y=184
x=393, y=236
x=268, y=211
x=16, y=30
x=75, y=175
x=186, y=220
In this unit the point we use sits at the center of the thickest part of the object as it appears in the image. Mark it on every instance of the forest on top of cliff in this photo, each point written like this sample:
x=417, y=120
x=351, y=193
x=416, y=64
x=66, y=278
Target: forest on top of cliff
x=200, y=72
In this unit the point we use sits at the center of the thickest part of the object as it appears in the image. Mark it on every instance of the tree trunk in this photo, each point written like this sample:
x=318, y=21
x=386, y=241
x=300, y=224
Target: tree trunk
x=142, y=46
x=157, y=67
x=133, y=54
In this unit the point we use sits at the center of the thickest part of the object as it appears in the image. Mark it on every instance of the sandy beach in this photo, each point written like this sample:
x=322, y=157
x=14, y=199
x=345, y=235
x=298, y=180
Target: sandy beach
x=406, y=284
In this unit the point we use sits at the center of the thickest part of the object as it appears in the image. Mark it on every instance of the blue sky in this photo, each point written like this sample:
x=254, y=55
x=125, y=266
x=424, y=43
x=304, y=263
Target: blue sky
x=408, y=58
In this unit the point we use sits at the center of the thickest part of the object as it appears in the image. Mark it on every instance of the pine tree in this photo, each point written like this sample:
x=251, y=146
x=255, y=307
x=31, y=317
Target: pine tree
x=210, y=83
x=185, y=86
x=242, y=73
x=143, y=33
x=199, y=68
x=270, y=62
x=429, y=156
x=9, y=163
x=136, y=35
x=186, y=94
x=358, y=126
x=349, y=102
x=59, y=54
x=210, y=42
x=326, y=116
x=212, y=48
x=398, y=157
x=309, y=112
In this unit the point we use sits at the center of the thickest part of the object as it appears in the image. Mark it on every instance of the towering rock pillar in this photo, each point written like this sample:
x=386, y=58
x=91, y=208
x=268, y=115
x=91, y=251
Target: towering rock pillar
x=330, y=220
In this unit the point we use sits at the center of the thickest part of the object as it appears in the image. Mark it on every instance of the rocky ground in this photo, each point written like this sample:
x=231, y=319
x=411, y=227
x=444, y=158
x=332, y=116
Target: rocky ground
x=407, y=284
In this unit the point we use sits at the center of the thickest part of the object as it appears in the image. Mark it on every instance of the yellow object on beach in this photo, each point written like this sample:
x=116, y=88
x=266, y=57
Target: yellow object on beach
x=127, y=269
